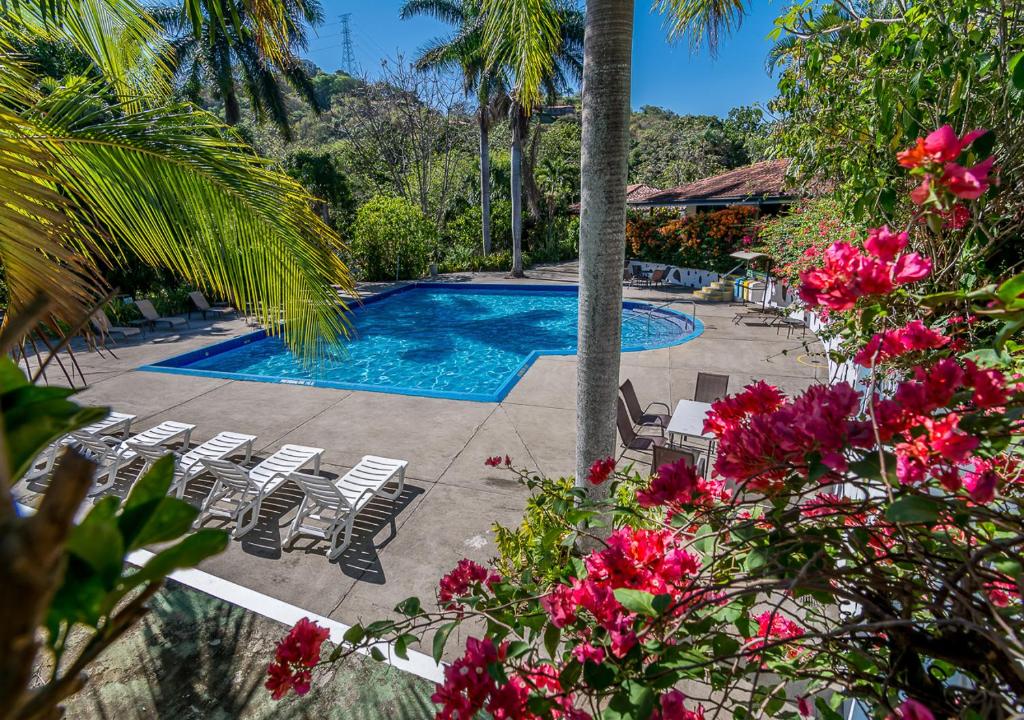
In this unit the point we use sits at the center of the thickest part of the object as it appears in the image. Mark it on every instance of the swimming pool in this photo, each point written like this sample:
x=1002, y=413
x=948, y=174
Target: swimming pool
x=467, y=342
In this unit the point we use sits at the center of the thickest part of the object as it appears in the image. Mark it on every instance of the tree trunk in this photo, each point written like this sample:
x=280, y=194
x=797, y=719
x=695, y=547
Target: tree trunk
x=605, y=147
x=517, y=190
x=485, y=180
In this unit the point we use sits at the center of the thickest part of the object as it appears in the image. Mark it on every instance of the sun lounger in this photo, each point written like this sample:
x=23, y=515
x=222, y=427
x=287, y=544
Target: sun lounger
x=199, y=300
x=244, y=491
x=101, y=323
x=152, y=317
x=329, y=508
x=112, y=424
x=166, y=433
x=105, y=455
x=187, y=465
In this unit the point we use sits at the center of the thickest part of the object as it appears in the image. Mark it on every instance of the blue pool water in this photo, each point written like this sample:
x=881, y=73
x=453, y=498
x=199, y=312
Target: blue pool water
x=470, y=343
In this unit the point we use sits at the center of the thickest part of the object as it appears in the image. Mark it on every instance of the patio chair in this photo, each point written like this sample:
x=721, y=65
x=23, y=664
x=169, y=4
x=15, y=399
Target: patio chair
x=639, y=276
x=627, y=276
x=333, y=505
x=186, y=465
x=151, y=316
x=657, y=277
x=643, y=417
x=664, y=455
x=113, y=423
x=244, y=491
x=101, y=323
x=711, y=387
x=631, y=440
x=166, y=433
x=217, y=310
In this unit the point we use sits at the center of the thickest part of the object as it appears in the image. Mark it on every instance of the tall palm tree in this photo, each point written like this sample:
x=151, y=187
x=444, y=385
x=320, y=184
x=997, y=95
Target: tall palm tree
x=540, y=46
x=222, y=56
x=464, y=51
x=107, y=167
x=606, y=86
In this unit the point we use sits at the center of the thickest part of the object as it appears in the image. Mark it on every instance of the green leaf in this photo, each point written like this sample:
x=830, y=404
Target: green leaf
x=552, y=636
x=191, y=551
x=517, y=648
x=440, y=638
x=354, y=635
x=379, y=628
x=1011, y=289
x=161, y=521
x=377, y=654
x=598, y=676
x=409, y=607
x=97, y=541
x=402, y=645
x=913, y=509
x=1017, y=70
x=637, y=601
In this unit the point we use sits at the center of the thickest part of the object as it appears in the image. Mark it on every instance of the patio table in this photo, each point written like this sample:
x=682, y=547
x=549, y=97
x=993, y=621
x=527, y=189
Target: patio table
x=688, y=422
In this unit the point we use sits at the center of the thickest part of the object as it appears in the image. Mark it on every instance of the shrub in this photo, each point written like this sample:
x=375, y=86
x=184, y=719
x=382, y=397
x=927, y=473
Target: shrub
x=392, y=239
x=171, y=300
x=796, y=239
x=701, y=241
x=122, y=312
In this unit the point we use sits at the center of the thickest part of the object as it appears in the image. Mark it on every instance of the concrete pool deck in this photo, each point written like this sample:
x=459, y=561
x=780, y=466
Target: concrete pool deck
x=451, y=498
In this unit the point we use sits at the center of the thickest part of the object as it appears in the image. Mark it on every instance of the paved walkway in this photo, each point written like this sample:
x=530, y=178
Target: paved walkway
x=451, y=499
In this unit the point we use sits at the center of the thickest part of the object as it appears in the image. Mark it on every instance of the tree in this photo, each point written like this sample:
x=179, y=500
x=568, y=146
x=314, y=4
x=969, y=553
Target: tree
x=222, y=55
x=320, y=174
x=539, y=46
x=605, y=150
x=465, y=51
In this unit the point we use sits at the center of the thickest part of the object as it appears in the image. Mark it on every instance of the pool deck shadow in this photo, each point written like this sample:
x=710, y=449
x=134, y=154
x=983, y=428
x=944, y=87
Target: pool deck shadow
x=451, y=498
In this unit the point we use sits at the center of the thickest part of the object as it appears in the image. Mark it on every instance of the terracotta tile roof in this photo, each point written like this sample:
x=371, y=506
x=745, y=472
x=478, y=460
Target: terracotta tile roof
x=765, y=179
x=635, y=193
x=638, y=192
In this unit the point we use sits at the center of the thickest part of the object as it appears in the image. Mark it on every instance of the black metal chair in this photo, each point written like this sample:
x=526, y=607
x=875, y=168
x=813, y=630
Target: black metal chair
x=631, y=439
x=643, y=417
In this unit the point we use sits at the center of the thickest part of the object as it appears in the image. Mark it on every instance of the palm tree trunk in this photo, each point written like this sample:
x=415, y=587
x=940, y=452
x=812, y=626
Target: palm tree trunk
x=485, y=180
x=517, y=190
x=605, y=147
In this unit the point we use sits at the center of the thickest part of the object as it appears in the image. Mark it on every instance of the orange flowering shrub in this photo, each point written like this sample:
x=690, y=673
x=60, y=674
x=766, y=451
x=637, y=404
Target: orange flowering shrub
x=702, y=241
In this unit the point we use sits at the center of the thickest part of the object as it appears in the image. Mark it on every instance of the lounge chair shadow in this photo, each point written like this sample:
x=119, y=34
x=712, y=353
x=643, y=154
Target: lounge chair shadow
x=264, y=540
x=361, y=559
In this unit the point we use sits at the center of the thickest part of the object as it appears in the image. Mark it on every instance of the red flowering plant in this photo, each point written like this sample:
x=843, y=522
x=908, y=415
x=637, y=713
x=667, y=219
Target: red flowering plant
x=847, y=545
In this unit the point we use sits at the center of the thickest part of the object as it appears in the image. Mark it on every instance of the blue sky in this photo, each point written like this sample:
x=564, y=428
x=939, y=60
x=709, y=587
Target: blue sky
x=663, y=74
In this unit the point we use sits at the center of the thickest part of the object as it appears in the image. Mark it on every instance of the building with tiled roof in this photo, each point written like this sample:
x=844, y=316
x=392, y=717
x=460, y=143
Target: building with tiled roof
x=636, y=193
x=762, y=184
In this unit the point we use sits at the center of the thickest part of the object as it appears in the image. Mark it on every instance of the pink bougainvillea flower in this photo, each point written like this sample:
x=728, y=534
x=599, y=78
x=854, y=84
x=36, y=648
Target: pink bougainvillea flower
x=601, y=470
x=671, y=706
x=296, y=654
x=940, y=146
x=967, y=183
x=560, y=605
x=585, y=651
x=804, y=707
x=674, y=483
x=911, y=267
x=911, y=709
x=460, y=580
x=957, y=217
x=508, y=461
x=885, y=244
x=493, y=461
x=758, y=397
x=773, y=627
x=920, y=194
x=1002, y=593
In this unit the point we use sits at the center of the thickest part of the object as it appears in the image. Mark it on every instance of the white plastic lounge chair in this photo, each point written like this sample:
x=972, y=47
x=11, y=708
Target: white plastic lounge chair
x=244, y=491
x=112, y=424
x=153, y=317
x=101, y=323
x=187, y=465
x=104, y=454
x=166, y=433
x=335, y=504
x=203, y=306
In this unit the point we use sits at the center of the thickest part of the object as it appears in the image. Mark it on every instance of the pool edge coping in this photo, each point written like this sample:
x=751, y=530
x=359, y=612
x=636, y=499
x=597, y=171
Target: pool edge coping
x=354, y=304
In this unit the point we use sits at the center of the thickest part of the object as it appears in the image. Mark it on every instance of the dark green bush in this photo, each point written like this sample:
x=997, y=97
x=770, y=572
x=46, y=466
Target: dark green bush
x=392, y=239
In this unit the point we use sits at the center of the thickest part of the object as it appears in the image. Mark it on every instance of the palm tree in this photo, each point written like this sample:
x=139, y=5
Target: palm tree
x=106, y=167
x=223, y=55
x=540, y=45
x=606, y=85
x=464, y=51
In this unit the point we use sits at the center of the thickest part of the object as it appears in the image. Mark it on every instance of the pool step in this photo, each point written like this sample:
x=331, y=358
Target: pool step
x=718, y=291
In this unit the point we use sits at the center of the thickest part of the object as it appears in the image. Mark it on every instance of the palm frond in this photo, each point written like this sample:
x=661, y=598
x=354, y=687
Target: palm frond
x=171, y=187
x=702, y=21
x=523, y=35
x=447, y=11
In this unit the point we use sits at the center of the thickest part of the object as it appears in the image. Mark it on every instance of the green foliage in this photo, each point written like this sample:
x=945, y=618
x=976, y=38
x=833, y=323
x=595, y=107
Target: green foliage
x=667, y=149
x=392, y=239
x=320, y=173
x=701, y=241
x=171, y=300
x=861, y=91
x=122, y=312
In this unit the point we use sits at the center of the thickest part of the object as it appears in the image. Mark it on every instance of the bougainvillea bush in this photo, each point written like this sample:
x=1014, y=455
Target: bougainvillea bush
x=702, y=241
x=797, y=239
x=848, y=545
